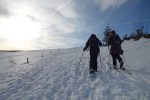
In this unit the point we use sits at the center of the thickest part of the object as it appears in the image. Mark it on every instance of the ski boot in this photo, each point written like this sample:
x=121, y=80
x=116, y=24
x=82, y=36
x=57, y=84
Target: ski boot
x=92, y=71
x=121, y=66
x=114, y=67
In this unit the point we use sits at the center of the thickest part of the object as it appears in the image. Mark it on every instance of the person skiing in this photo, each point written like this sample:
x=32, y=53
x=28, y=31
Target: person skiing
x=94, y=43
x=115, y=42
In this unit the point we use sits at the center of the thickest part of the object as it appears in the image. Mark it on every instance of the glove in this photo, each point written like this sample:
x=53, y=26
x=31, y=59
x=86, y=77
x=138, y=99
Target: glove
x=84, y=49
x=121, y=52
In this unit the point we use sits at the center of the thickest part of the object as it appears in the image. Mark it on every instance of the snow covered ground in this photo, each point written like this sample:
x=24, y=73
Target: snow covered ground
x=53, y=77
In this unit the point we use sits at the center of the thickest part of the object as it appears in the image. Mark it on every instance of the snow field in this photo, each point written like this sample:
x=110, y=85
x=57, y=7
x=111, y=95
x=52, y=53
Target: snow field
x=53, y=76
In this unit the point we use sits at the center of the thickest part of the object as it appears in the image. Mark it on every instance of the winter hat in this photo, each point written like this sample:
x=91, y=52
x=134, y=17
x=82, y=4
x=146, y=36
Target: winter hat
x=93, y=36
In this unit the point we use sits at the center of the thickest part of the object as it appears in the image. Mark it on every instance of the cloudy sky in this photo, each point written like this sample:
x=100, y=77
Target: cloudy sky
x=47, y=24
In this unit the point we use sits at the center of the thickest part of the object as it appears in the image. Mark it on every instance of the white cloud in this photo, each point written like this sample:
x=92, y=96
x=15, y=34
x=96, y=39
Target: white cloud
x=53, y=17
x=57, y=14
x=57, y=42
x=108, y=4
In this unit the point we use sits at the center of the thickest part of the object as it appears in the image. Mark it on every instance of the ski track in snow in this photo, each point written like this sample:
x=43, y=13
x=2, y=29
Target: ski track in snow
x=53, y=77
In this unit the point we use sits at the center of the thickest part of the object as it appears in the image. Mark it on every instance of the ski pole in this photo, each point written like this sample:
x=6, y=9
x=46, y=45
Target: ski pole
x=124, y=60
x=79, y=62
x=100, y=59
x=109, y=57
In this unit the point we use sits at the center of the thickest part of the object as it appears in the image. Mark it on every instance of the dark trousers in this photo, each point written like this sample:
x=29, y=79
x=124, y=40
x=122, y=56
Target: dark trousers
x=116, y=57
x=93, y=60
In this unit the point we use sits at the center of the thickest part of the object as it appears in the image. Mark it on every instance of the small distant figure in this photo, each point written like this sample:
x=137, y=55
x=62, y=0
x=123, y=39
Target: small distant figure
x=115, y=42
x=94, y=43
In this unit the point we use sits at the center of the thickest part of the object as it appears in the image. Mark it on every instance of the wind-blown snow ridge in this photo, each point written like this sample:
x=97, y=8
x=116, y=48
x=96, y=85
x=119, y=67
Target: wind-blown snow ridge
x=53, y=76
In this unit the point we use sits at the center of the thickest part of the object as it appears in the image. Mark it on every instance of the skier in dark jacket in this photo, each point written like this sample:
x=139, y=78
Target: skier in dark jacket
x=115, y=50
x=94, y=43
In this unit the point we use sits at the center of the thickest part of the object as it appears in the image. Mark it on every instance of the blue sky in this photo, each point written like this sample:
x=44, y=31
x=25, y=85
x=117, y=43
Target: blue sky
x=50, y=24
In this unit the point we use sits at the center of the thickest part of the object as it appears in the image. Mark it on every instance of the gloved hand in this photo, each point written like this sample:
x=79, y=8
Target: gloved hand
x=121, y=52
x=84, y=49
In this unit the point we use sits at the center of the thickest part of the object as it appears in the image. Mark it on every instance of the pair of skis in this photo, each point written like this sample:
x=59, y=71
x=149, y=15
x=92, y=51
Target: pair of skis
x=93, y=75
x=123, y=70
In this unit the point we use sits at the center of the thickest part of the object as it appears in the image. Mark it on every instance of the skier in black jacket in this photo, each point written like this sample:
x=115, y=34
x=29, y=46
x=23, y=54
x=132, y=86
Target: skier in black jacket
x=115, y=42
x=94, y=43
